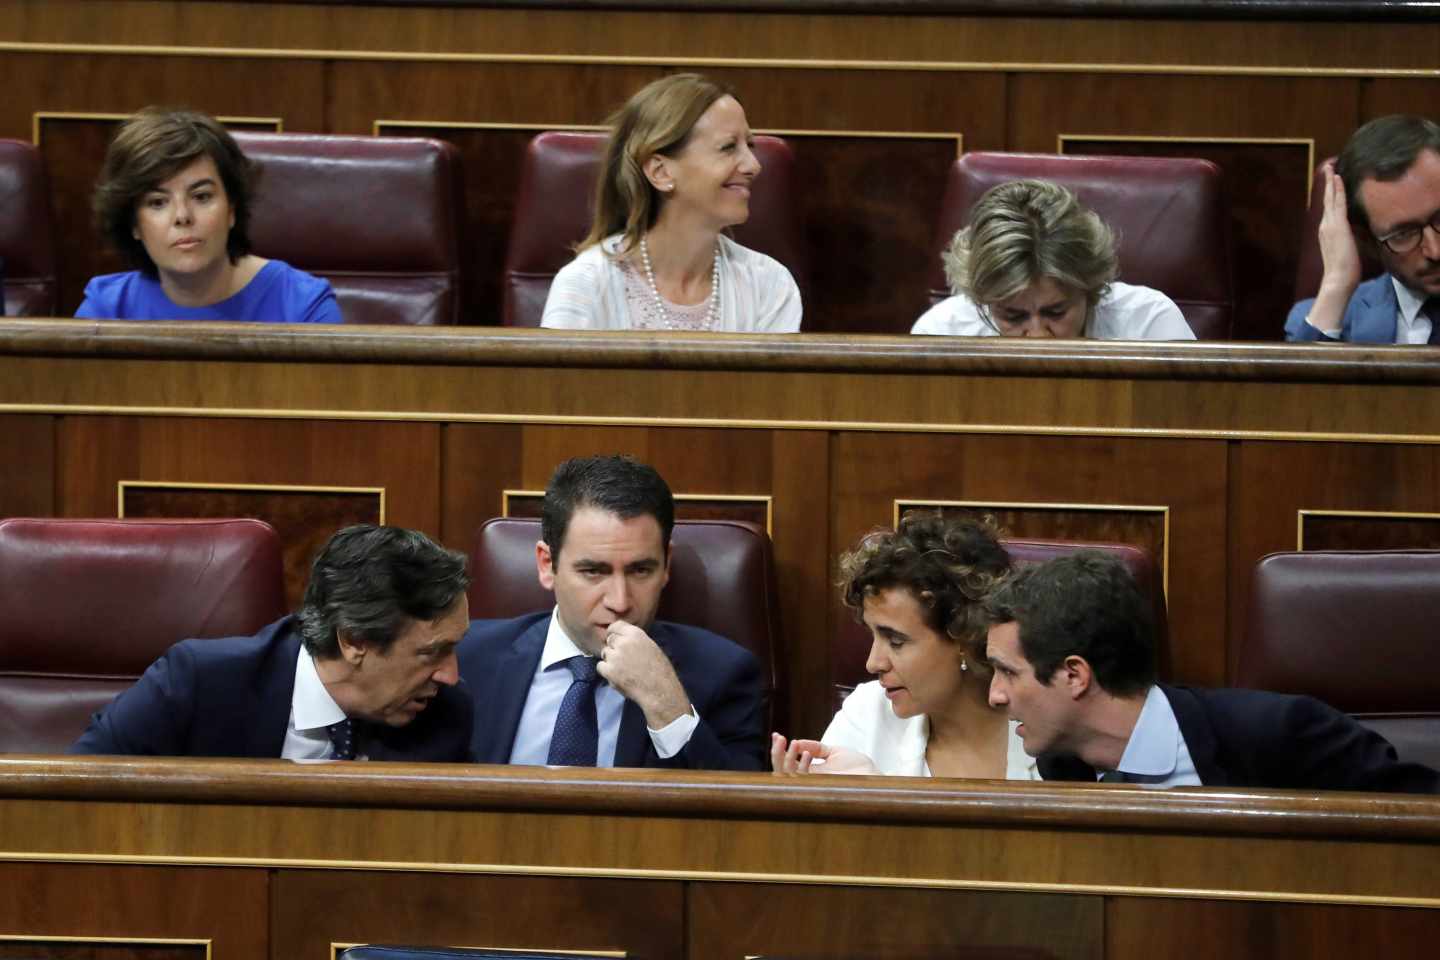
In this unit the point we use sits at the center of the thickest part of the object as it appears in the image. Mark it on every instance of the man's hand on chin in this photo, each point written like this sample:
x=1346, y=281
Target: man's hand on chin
x=633, y=664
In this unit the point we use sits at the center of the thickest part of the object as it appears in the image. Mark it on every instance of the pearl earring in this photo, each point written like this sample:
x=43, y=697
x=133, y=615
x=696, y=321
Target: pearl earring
x=964, y=665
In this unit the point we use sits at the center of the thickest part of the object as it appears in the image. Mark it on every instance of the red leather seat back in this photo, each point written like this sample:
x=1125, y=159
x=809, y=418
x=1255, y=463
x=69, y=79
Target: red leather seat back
x=1311, y=268
x=556, y=199
x=1357, y=629
x=27, y=238
x=379, y=217
x=722, y=578
x=1169, y=215
x=852, y=645
x=89, y=604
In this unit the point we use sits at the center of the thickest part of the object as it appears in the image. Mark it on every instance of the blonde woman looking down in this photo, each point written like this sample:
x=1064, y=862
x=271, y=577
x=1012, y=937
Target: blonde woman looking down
x=676, y=172
x=1034, y=262
x=918, y=589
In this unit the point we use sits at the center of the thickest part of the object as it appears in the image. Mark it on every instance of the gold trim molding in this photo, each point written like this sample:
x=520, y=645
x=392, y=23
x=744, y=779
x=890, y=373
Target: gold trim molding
x=41, y=115
x=128, y=941
x=617, y=873
x=1307, y=142
x=1300, y=516
x=751, y=63
x=335, y=949
x=124, y=485
x=859, y=426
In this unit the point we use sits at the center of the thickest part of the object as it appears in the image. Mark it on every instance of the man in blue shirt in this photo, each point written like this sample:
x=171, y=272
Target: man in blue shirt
x=1073, y=653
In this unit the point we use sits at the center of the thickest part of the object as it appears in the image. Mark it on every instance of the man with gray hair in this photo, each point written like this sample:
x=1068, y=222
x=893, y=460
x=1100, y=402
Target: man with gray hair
x=1384, y=189
x=365, y=670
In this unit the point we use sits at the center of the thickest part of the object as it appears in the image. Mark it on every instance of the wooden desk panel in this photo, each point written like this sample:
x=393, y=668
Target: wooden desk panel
x=727, y=864
x=1207, y=449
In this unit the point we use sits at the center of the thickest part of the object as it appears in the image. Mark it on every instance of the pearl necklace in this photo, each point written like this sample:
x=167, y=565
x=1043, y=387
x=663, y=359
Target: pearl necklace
x=712, y=313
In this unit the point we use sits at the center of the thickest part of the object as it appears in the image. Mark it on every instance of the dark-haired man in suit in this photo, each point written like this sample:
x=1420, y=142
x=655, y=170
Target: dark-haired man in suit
x=1385, y=191
x=366, y=670
x=1073, y=653
x=599, y=681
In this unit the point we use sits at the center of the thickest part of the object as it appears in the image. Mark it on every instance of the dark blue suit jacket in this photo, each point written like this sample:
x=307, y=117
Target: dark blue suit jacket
x=498, y=660
x=1251, y=738
x=1369, y=316
x=232, y=697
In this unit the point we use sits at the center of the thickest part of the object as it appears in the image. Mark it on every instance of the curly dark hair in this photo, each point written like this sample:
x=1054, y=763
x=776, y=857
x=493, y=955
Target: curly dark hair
x=150, y=148
x=949, y=564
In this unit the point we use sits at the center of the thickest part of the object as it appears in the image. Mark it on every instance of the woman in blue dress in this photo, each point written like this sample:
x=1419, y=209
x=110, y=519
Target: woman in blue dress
x=174, y=198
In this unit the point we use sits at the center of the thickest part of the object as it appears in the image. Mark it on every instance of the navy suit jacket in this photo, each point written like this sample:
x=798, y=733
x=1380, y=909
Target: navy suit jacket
x=1369, y=316
x=498, y=659
x=1251, y=738
x=232, y=698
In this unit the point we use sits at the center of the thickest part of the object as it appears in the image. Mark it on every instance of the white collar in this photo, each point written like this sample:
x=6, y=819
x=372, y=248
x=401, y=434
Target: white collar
x=558, y=645
x=311, y=705
x=1408, y=300
x=1155, y=742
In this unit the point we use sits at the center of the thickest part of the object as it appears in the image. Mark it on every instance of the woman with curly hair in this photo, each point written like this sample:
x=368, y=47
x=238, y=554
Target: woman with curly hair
x=919, y=590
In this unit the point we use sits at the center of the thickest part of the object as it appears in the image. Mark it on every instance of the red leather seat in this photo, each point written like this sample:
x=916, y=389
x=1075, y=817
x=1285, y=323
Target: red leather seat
x=379, y=217
x=1169, y=215
x=555, y=202
x=852, y=643
x=1356, y=629
x=89, y=604
x=722, y=578
x=27, y=240
x=1311, y=268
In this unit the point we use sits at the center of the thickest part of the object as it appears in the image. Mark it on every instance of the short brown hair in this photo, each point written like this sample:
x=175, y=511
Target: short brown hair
x=1382, y=149
x=150, y=148
x=658, y=119
x=948, y=564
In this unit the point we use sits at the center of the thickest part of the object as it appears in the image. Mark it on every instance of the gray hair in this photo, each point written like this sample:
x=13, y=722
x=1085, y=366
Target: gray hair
x=367, y=580
x=1025, y=230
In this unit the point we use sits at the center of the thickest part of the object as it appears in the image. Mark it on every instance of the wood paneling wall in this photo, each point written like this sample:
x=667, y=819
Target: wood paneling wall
x=1210, y=471
x=998, y=82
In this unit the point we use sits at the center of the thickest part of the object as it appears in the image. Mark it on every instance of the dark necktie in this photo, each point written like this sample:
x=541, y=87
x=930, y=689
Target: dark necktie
x=575, y=740
x=342, y=738
x=1431, y=309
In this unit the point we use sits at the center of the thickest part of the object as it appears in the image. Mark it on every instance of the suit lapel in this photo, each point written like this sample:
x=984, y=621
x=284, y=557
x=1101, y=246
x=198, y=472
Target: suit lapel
x=266, y=736
x=1377, y=316
x=500, y=695
x=1199, y=737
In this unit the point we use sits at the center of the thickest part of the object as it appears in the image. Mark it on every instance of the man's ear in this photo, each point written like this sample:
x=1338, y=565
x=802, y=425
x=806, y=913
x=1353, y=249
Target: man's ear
x=1077, y=676
x=352, y=649
x=657, y=171
x=545, y=565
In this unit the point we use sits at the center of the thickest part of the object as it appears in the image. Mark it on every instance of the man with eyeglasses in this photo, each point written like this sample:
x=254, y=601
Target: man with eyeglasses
x=1384, y=188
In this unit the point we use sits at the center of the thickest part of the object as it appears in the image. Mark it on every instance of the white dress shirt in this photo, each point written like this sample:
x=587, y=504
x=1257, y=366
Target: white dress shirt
x=1411, y=325
x=312, y=711
x=1156, y=755
x=547, y=689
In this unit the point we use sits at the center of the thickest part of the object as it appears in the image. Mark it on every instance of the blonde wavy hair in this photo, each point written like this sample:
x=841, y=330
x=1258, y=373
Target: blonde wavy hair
x=1023, y=231
x=656, y=120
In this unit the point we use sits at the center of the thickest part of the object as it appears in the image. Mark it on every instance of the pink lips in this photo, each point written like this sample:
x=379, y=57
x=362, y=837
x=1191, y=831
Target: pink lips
x=187, y=243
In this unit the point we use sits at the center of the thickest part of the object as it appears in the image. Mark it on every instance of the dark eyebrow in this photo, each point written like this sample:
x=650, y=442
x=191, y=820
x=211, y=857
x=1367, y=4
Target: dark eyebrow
x=207, y=182
x=585, y=563
x=890, y=633
x=648, y=563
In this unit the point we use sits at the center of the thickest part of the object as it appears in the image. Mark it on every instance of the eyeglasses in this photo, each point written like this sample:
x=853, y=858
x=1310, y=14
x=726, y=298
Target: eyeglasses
x=1407, y=239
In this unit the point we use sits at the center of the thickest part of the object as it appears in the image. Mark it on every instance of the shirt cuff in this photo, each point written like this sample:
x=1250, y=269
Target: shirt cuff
x=671, y=738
